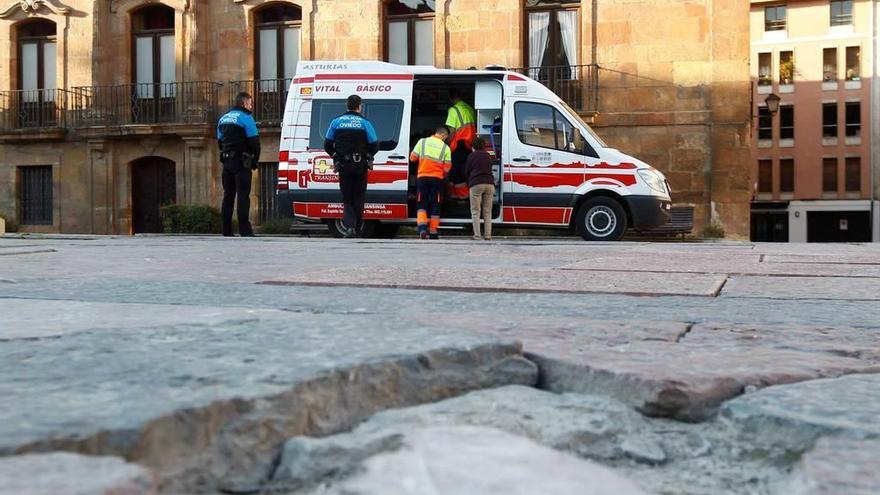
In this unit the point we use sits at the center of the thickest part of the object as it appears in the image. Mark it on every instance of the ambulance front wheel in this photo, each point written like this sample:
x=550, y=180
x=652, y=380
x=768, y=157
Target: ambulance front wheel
x=601, y=219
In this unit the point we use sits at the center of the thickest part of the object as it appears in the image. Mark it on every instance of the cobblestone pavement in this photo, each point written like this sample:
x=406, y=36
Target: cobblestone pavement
x=294, y=365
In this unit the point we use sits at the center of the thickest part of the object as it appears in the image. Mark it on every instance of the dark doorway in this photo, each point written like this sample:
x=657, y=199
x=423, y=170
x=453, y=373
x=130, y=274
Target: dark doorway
x=838, y=226
x=153, y=185
x=770, y=226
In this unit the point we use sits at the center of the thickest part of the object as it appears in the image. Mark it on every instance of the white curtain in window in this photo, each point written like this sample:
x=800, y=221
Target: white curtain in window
x=424, y=42
x=167, y=66
x=268, y=60
x=291, y=52
x=29, y=71
x=49, y=71
x=397, y=43
x=144, y=66
x=539, y=37
x=568, y=23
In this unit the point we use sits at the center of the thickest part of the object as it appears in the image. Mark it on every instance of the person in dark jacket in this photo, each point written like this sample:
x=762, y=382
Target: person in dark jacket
x=352, y=142
x=239, y=143
x=481, y=182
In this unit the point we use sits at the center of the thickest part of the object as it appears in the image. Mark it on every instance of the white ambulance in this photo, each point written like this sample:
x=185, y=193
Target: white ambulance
x=551, y=170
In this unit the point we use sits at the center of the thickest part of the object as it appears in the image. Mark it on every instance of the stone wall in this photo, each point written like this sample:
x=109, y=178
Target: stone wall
x=676, y=94
x=674, y=88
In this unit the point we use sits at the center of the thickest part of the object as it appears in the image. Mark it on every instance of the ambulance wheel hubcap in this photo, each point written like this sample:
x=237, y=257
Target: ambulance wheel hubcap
x=601, y=221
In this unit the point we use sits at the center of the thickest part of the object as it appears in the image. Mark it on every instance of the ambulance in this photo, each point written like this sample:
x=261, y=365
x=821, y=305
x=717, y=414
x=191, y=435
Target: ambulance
x=551, y=170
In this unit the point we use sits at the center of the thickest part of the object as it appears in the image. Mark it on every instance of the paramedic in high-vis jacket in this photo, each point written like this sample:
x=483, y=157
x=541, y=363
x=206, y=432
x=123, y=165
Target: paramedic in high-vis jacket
x=239, y=144
x=352, y=142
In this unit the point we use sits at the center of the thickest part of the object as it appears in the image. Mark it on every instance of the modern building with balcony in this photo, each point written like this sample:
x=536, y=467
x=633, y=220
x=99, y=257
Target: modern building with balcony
x=813, y=64
x=108, y=107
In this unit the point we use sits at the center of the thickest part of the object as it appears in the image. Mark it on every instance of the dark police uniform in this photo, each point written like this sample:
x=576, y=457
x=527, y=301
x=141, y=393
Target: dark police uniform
x=239, y=144
x=352, y=142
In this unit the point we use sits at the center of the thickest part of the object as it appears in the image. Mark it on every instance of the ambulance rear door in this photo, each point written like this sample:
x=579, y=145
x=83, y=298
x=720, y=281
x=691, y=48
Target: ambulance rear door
x=387, y=101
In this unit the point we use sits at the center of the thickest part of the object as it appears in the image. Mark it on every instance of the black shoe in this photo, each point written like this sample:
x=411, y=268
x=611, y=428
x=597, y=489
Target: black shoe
x=434, y=237
x=248, y=235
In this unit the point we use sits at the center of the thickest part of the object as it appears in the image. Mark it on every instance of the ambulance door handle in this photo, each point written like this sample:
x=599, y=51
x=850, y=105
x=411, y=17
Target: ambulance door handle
x=522, y=159
x=396, y=157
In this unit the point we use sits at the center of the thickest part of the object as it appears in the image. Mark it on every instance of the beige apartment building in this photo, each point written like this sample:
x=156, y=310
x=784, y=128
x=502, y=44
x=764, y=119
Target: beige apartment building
x=108, y=107
x=815, y=158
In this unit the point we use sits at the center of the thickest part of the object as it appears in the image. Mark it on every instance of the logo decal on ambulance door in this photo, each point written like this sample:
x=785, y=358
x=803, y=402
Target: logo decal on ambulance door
x=322, y=171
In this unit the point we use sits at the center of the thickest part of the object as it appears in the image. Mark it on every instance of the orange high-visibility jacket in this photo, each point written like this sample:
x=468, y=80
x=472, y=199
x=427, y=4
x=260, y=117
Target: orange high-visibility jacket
x=462, y=119
x=434, y=157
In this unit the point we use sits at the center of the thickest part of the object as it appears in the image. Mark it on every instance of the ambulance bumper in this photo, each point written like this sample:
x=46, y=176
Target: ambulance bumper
x=648, y=211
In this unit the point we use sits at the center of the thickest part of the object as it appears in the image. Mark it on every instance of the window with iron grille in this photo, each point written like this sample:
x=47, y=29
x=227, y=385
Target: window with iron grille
x=786, y=175
x=765, y=124
x=786, y=122
x=774, y=18
x=268, y=176
x=853, y=174
x=35, y=195
x=853, y=119
x=765, y=176
x=829, y=120
x=841, y=12
x=829, y=175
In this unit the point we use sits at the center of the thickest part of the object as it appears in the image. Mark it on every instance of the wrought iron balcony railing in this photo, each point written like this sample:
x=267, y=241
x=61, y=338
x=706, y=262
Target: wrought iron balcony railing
x=192, y=102
x=576, y=85
x=32, y=109
x=270, y=96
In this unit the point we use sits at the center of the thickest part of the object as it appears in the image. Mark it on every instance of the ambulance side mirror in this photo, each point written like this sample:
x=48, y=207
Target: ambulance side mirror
x=387, y=145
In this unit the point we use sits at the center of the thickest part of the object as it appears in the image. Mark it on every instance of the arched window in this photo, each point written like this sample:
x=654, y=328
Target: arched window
x=36, y=56
x=409, y=32
x=36, y=73
x=553, y=34
x=277, y=43
x=153, y=51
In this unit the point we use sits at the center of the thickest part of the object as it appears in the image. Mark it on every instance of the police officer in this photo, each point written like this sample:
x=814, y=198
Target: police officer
x=239, y=144
x=352, y=142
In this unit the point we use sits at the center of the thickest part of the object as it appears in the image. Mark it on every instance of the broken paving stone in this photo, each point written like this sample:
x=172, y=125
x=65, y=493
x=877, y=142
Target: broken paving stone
x=191, y=403
x=837, y=466
x=793, y=417
x=664, y=370
x=467, y=460
x=63, y=473
x=663, y=456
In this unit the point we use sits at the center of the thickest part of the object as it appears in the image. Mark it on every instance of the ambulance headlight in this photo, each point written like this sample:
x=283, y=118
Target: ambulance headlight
x=654, y=180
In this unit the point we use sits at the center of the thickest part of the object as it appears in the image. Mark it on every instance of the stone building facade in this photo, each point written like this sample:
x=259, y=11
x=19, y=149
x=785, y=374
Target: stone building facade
x=107, y=107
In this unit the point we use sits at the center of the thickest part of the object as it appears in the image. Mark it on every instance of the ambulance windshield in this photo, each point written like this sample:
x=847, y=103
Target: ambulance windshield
x=577, y=118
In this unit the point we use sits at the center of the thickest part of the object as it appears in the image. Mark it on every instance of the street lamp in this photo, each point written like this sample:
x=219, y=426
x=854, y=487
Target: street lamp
x=772, y=102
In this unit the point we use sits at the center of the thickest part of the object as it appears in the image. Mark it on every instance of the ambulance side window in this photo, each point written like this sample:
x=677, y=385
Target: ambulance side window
x=544, y=126
x=386, y=116
x=323, y=112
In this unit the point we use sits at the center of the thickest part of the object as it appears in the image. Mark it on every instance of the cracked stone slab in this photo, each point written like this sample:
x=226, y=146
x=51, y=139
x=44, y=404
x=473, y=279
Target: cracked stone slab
x=795, y=416
x=37, y=319
x=663, y=369
x=458, y=460
x=833, y=288
x=837, y=466
x=730, y=264
x=62, y=473
x=485, y=280
x=662, y=456
x=210, y=404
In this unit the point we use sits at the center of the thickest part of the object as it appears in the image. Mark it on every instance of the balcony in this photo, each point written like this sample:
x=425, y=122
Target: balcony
x=127, y=107
x=576, y=85
x=270, y=97
x=33, y=114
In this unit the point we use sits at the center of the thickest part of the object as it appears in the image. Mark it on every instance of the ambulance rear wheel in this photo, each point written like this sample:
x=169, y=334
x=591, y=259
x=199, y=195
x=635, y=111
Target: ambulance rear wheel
x=601, y=219
x=336, y=229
